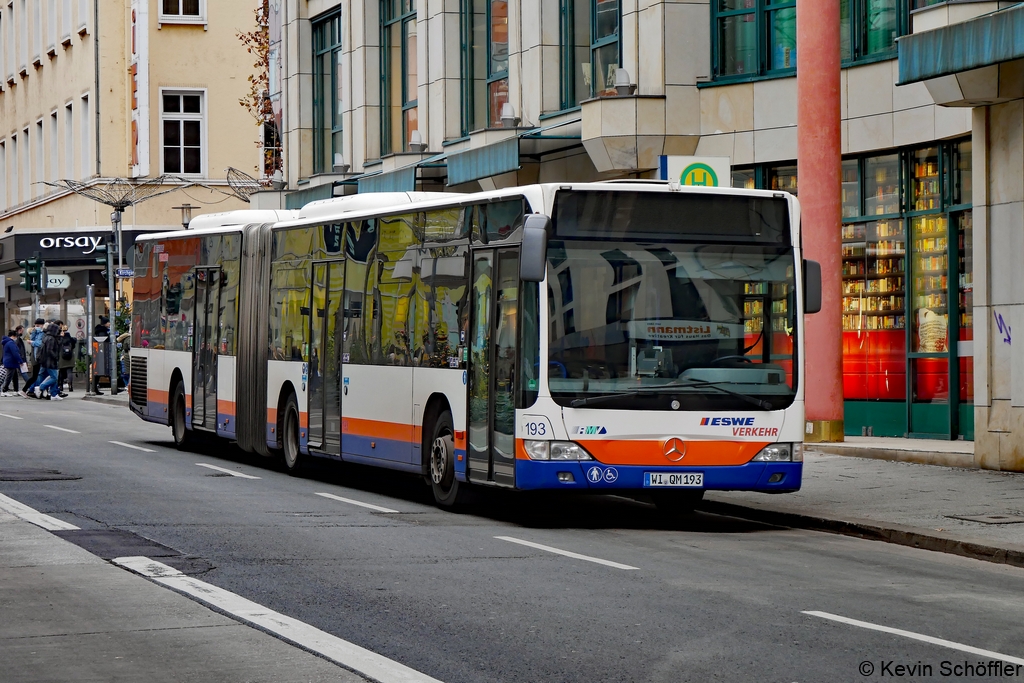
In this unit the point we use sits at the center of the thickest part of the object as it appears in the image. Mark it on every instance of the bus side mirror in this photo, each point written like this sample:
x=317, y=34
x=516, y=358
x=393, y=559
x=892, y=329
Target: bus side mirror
x=812, y=286
x=534, y=255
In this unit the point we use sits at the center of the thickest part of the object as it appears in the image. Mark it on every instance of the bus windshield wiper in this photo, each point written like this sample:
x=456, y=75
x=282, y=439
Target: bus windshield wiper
x=760, y=403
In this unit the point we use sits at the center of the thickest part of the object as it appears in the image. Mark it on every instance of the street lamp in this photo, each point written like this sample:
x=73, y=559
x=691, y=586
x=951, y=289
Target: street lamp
x=186, y=213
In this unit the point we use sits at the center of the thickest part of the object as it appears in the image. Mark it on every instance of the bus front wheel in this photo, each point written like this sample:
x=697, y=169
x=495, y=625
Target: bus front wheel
x=289, y=429
x=447, y=489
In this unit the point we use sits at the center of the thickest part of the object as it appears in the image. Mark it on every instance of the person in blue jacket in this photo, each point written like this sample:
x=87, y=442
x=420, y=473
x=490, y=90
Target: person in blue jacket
x=12, y=360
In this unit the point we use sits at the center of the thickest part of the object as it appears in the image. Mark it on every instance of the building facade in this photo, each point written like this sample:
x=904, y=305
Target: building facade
x=471, y=94
x=91, y=91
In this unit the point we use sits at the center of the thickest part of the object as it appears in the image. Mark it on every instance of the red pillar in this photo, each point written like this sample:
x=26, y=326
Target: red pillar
x=819, y=161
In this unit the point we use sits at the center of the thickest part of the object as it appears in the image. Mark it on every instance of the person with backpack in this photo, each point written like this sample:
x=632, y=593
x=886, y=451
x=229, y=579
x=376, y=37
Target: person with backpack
x=35, y=339
x=66, y=362
x=12, y=360
x=49, y=359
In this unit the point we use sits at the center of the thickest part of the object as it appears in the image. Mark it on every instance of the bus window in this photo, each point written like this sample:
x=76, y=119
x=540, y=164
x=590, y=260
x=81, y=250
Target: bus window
x=441, y=308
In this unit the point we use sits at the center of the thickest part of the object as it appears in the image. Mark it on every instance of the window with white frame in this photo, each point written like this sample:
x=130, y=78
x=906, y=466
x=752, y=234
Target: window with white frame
x=26, y=166
x=182, y=11
x=37, y=31
x=23, y=36
x=69, y=140
x=65, y=22
x=182, y=118
x=3, y=175
x=5, y=18
x=37, y=160
x=83, y=17
x=86, y=137
x=51, y=27
x=12, y=55
x=54, y=153
x=14, y=170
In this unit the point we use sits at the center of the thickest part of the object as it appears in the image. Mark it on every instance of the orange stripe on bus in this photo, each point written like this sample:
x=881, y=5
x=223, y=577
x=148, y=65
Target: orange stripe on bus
x=394, y=431
x=652, y=453
x=225, y=407
x=614, y=452
x=156, y=396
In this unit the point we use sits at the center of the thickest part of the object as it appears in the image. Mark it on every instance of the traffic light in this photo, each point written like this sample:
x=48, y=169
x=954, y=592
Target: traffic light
x=30, y=273
x=101, y=256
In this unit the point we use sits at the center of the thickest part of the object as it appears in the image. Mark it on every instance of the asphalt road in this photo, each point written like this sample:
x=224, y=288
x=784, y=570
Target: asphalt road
x=713, y=599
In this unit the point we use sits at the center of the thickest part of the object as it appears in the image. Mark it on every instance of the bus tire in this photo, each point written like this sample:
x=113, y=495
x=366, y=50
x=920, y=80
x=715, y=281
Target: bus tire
x=676, y=504
x=289, y=430
x=179, y=432
x=441, y=462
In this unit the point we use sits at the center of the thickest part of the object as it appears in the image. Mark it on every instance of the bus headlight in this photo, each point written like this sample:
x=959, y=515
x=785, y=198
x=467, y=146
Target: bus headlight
x=780, y=452
x=555, y=450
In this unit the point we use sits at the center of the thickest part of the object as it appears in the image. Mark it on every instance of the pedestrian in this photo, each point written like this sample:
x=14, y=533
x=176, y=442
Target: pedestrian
x=35, y=338
x=49, y=359
x=11, y=364
x=66, y=362
x=23, y=371
x=102, y=338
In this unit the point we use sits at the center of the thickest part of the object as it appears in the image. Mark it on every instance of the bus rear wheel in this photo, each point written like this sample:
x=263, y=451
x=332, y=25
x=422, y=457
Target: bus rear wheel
x=179, y=432
x=289, y=429
x=448, y=491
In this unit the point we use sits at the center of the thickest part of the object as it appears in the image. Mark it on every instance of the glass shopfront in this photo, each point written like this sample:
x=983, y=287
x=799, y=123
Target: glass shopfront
x=907, y=302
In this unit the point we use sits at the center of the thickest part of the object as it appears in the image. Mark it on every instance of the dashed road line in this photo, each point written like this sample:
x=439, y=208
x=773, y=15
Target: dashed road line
x=128, y=445
x=349, y=655
x=34, y=516
x=917, y=636
x=566, y=553
x=62, y=429
x=227, y=471
x=361, y=504
x=13, y=417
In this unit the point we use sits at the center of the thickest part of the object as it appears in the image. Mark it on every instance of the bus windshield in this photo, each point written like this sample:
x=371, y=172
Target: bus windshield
x=661, y=325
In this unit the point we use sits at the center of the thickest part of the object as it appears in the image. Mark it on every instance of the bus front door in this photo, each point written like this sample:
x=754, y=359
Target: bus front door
x=492, y=366
x=206, y=328
x=325, y=357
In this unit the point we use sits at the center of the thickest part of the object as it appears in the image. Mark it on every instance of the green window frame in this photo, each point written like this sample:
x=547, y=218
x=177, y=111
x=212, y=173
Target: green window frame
x=605, y=57
x=574, y=50
x=751, y=38
x=497, y=59
x=327, y=92
x=869, y=29
x=473, y=73
x=399, y=75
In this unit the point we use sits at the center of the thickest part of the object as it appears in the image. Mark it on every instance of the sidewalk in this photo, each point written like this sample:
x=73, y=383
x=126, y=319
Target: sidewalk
x=120, y=400
x=971, y=512
x=71, y=616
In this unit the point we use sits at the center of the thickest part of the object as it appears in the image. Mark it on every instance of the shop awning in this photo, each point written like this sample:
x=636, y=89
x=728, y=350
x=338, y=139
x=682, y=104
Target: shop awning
x=400, y=179
x=299, y=198
x=505, y=155
x=983, y=41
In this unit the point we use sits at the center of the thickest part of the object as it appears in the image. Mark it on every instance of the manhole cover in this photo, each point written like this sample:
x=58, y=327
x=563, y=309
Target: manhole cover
x=111, y=543
x=990, y=519
x=35, y=475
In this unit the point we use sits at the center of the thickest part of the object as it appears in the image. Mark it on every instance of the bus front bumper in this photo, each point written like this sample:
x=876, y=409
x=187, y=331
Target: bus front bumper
x=770, y=477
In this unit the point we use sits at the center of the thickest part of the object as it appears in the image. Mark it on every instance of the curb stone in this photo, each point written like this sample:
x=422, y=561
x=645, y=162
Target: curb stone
x=914, y=537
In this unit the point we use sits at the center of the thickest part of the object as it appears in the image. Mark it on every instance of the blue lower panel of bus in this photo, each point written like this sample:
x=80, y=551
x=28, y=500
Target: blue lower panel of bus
x=754, y=476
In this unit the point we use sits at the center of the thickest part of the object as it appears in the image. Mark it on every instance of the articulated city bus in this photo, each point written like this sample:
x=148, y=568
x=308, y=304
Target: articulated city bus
x=610, y=337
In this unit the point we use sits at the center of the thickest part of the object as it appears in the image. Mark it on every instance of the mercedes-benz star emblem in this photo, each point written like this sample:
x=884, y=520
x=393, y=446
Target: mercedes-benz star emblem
x=675, y=449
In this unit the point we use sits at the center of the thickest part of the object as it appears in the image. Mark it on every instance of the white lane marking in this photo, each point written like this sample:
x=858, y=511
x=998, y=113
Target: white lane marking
x=227, y=471
x=128, y=445
x=361, y=504
x=13, y=417
x=62, y=429
x=29, y=515
x=918, y=636
x=348, y=655
x=557, y=551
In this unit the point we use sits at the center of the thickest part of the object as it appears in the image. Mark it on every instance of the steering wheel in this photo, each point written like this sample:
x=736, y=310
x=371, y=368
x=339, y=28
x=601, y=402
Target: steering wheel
x=742, y=359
